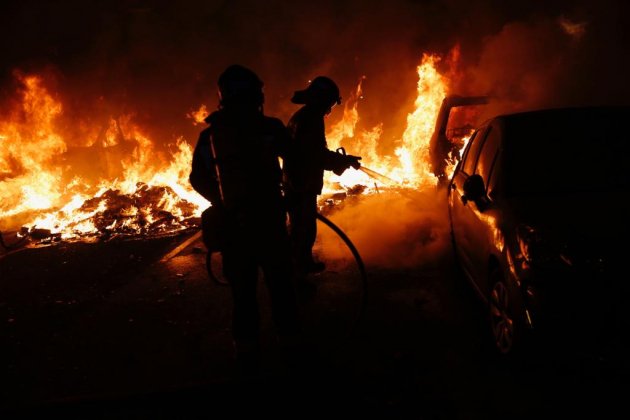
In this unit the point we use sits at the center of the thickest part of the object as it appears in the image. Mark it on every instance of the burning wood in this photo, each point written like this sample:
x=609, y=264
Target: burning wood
x=149, y=211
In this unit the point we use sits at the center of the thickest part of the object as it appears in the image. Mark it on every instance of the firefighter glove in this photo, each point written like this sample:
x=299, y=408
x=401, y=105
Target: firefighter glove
x=346, y=161
x=353, y=161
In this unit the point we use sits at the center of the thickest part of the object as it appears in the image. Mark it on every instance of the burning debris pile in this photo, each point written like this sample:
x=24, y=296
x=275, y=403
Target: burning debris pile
x=143, y=212
x=120, y=184
x=146, y=212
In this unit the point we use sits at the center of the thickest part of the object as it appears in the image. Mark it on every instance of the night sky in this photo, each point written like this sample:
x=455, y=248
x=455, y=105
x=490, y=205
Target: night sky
x=160, y=59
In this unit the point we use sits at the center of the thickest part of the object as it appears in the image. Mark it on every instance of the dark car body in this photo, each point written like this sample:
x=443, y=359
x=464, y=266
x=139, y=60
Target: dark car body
x=539, y=223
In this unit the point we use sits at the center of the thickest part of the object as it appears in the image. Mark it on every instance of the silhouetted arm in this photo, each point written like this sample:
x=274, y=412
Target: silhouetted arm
x=203, y=176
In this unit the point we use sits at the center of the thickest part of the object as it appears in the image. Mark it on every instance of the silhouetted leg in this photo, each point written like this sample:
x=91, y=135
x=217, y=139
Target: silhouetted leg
x=277, y=270
x=303, y=229
x=241, y=271
x=276, y=266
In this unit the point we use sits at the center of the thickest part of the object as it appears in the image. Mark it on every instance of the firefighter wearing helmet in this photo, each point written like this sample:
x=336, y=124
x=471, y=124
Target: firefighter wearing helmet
x=235, y=166
x=304, y=169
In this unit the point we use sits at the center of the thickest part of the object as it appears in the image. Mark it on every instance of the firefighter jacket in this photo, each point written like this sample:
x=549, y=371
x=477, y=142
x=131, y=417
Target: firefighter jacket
x=235, y=164
x=309, y=155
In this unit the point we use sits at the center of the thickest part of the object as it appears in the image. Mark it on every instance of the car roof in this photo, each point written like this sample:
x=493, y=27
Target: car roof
x=582, y=146
x=562, y=115
x=563, y=125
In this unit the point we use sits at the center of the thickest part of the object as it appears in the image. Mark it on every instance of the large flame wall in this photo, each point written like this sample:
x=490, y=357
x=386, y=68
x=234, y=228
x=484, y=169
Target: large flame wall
x=48, y=183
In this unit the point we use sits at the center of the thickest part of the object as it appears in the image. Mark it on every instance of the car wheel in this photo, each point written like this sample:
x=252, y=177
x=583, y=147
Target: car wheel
x=504, y=323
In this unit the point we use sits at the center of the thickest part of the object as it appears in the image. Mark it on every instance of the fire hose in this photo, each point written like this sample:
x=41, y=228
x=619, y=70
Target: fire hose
x=349, y=244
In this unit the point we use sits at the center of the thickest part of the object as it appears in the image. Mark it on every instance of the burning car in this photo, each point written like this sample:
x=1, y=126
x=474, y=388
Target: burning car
x=444, y=148
x=538, y=223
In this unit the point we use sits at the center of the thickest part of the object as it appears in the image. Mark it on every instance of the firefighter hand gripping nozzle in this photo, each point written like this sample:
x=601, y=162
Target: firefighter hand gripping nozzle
x=353, y=161
x=346, y=161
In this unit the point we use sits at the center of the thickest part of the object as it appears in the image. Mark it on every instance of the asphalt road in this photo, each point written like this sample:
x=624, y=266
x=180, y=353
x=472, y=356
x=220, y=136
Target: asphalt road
x=108, y=330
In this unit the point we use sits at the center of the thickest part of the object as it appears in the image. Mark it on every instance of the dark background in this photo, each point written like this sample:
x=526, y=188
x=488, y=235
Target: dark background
x=160, y=59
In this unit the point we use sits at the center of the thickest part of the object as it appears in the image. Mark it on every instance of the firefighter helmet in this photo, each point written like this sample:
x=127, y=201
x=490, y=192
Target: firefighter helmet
x=321, y=90
x=238, y=84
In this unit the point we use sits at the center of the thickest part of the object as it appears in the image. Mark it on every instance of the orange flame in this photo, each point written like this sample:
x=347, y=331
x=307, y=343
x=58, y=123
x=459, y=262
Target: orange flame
x=414, y=152
x=28, y=143
x=198, y=116
x=34, y=186
x=409, y=167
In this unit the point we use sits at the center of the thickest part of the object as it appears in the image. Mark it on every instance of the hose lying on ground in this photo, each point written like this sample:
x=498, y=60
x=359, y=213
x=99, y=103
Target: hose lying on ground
x=357, y=258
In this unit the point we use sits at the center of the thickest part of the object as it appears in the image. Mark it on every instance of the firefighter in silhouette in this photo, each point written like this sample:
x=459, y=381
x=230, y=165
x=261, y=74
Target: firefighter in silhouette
x=304, y=168
x=235, y=166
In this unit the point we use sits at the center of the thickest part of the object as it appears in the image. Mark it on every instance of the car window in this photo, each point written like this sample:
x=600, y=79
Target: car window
x=470, y=160
x=467, y=148
x=488, y=153
x=495, y=175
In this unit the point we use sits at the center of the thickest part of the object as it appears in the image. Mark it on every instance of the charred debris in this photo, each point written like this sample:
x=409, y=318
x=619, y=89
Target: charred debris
x=115, y=215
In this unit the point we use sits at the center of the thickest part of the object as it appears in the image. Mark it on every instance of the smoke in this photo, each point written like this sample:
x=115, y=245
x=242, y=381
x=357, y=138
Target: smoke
x=390, y=230
x=159, y=60
x=574, y=57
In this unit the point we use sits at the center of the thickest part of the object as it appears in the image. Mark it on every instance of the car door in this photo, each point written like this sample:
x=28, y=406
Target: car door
x=481, y=227
x=459, y=210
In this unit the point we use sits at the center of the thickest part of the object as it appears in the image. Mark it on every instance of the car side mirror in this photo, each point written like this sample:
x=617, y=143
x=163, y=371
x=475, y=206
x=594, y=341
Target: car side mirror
x=474, y=189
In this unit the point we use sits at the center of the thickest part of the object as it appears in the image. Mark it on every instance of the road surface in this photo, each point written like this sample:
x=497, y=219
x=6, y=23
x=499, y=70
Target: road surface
x=109, y=330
